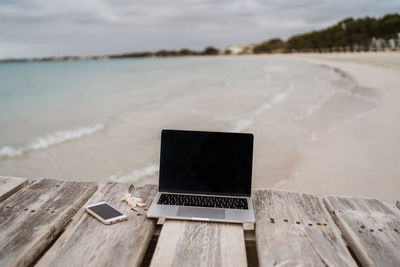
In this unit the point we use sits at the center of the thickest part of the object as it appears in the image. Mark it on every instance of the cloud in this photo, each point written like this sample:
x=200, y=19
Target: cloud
x=33, y=28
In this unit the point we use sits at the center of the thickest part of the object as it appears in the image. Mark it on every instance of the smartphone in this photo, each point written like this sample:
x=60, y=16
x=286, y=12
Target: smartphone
x=105, y=213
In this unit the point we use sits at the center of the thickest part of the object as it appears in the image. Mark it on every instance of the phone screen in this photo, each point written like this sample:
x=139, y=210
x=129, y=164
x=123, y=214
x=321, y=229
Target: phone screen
x=105, y=211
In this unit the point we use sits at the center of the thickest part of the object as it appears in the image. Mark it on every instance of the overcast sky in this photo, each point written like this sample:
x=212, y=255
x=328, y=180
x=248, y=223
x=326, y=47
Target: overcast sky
x=37, y=28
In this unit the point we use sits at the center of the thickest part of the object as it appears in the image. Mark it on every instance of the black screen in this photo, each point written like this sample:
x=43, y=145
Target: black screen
x=206, y=162
x=105, y=211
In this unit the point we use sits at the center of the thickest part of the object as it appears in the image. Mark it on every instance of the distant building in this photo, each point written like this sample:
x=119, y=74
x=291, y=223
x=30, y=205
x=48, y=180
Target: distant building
x=239, y=49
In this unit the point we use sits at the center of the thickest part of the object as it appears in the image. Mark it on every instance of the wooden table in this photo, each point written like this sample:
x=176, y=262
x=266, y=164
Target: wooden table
x=43, y=223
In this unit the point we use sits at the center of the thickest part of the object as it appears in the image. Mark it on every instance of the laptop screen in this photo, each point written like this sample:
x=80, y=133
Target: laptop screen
x=206, y=162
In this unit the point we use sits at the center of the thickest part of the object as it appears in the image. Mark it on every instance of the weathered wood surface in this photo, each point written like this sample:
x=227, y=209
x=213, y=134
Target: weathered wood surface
x=10, y=185
x=294, y=229
x=191, y=243
x=88, y=242
x=370, y=227
x=31, y=218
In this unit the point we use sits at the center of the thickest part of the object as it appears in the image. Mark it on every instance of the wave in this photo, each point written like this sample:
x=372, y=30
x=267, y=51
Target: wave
x=136, y=175
x=50, y=140
x=354, y=89
x=351, y=88
x=313, y=136
x=281, y=184
x=243, y=124
x=279, y=97
x=317, y=106
x=276, y=99
x=351, y=120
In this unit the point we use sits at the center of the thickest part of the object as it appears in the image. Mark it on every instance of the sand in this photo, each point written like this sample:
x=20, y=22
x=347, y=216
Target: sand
x=294, y=148
x=361, y=158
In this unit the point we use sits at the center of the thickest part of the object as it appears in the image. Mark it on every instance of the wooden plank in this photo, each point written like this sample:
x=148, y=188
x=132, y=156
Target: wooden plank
x=370, y=227
x=190, y=243
x=88, y=242
x=294, y=229
x=31, y=218
x=248, y=226
x=10, y=185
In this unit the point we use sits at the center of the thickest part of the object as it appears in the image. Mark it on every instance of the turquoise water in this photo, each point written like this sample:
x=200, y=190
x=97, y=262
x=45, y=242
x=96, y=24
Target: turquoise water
x=101, y=120
x=42, y=97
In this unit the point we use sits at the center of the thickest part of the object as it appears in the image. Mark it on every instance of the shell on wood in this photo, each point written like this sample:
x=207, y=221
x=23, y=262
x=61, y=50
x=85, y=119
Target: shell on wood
x=133, y=201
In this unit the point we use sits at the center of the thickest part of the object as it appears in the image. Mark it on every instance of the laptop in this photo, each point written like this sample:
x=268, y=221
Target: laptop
x=205, y=176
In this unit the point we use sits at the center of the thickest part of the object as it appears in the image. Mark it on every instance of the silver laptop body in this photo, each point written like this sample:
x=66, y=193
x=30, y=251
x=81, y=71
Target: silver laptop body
x=204, y=176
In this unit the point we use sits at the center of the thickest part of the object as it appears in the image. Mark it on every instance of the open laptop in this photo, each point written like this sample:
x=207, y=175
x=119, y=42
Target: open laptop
x=205, y=176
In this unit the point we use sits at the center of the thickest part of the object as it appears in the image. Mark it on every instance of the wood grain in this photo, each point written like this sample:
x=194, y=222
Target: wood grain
x=31, y=218
x=88, y=242
x=191, y=243
x=10, y=185
x=370, y=227
x=294, y=229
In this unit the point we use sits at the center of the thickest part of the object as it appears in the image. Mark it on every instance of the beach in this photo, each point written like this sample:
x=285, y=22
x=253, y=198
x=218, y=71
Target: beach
x=361, y=157
x=323, y=123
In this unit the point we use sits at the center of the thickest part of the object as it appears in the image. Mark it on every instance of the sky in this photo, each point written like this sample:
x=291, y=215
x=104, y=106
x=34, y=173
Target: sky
x=39, y=28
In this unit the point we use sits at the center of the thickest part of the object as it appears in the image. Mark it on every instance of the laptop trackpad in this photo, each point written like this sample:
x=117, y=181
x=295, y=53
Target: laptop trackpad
x=201, y=212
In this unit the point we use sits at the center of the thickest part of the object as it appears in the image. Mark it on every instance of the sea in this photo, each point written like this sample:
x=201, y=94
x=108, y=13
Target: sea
x=100, y=120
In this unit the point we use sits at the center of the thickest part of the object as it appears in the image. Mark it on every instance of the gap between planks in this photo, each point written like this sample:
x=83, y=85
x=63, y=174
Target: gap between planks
x=370, y=226
x=33, y=217
x=86, y=241
x=294, y=228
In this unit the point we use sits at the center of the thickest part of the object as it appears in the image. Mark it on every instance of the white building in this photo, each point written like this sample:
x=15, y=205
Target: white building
x=239, y=49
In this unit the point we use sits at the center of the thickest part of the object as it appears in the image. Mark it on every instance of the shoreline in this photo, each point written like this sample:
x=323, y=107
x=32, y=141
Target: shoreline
x=118, y=57
x=360, y=158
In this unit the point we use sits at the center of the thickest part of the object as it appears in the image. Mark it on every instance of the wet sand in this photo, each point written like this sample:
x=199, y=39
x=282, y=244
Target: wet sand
x=360, y=158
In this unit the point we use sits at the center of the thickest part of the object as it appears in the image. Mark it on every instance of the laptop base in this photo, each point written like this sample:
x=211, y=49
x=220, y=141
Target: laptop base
x=201, y=213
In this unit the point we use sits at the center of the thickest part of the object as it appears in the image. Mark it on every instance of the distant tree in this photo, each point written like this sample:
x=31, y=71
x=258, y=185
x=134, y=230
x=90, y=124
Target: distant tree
x=270, y=46
x=210, y=51
x=184, y=52
x=187, y=52
x=389, y=26
x=348, y=33
x=133, y=55
x=166, y=53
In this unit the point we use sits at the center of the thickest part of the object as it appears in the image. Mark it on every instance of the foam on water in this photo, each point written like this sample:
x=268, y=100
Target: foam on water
x=136, y=175
x=282, y=96
x=277, y=98
x=242, y=125
x=319, y=104
x=50, y=140
x=263, y=107
x=280, y=184
x=285, y=103
x=351, y=120
x=313, y=136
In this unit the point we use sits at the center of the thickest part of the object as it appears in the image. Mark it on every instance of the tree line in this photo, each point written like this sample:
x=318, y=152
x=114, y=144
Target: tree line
x=171, y=53
x=363, y=34
x=350, y=34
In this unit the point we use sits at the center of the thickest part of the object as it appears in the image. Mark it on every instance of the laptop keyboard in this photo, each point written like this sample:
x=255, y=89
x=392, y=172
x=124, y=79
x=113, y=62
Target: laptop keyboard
x=203, y=201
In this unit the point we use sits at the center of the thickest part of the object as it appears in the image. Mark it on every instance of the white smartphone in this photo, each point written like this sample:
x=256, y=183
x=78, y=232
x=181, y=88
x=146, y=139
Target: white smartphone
x=105, y=213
